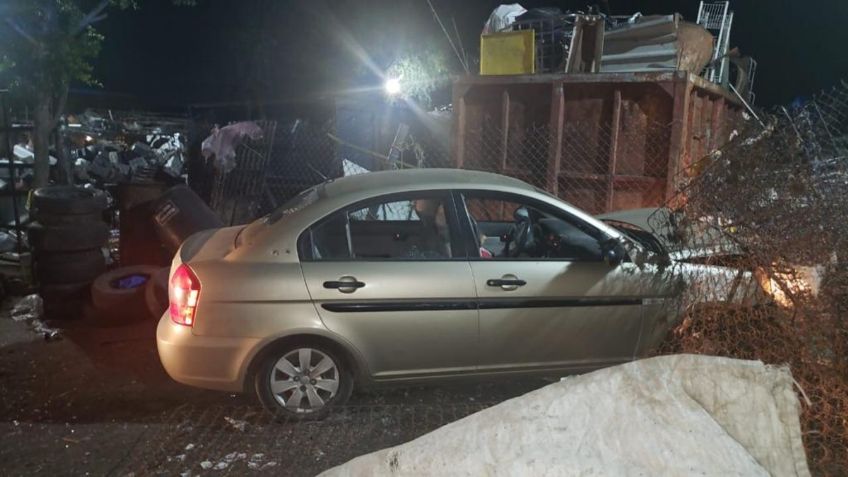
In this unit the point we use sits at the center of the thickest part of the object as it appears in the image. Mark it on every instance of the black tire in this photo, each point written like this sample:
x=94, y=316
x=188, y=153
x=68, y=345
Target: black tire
x=65, y=292
x=68, y=238
x=62, y=200
x=122, y=289
x=262, y=382
x=156, y=293
x=70, y=267
x=50, y=220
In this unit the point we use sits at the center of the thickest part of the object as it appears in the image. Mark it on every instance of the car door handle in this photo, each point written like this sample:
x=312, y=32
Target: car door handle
x=344, y=284
x=505, y=282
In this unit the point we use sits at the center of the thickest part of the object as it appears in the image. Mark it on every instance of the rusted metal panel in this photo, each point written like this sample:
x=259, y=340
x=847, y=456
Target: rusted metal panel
x=600, y=145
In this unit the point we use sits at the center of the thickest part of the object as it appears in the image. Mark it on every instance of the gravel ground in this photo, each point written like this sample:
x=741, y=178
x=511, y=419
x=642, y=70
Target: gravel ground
x=97, y=402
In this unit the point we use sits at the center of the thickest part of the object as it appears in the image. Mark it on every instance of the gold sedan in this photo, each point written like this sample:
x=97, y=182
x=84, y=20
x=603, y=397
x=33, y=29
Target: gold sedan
x=406, y=276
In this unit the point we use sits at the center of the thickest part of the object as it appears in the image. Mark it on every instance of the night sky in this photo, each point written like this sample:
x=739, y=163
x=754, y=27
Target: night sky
x=278, y=50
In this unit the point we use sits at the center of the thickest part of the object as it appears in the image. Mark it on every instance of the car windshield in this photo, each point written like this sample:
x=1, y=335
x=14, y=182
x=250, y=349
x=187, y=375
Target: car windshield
x=639, y=235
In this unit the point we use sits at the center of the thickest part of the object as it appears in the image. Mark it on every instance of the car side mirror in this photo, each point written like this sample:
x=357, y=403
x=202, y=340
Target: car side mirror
x=613, y=252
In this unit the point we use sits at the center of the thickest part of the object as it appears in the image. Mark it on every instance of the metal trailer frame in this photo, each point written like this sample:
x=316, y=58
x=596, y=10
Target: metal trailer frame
x=695, y=118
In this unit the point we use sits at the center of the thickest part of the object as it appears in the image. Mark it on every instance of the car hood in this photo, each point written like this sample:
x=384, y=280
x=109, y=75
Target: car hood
x=695, y=241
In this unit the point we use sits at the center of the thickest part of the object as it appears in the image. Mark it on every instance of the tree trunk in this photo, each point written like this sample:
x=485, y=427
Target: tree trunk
x=43, y=126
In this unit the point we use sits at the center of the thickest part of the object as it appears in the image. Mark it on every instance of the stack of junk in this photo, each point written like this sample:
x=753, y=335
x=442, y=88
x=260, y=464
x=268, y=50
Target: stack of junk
x=102, y=248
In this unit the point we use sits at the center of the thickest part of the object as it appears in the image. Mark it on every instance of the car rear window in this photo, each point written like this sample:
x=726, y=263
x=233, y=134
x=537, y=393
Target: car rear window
x=296, y=203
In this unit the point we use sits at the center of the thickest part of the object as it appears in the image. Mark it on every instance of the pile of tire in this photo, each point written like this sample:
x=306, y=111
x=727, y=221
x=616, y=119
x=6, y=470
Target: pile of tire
x=67, y=240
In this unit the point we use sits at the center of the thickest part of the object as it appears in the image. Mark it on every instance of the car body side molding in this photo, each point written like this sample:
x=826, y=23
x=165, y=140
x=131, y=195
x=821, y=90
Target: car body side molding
x=483, y=304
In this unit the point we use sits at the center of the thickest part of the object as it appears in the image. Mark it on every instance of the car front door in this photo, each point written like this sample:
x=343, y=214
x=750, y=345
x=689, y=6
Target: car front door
x=547, y=298
x=390, y=276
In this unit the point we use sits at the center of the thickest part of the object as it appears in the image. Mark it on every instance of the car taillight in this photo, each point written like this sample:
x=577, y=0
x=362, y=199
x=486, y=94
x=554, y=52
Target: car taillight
x=183, y=294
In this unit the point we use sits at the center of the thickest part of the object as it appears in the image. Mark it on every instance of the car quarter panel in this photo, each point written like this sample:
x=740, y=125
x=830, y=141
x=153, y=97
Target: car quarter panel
x=251, y=299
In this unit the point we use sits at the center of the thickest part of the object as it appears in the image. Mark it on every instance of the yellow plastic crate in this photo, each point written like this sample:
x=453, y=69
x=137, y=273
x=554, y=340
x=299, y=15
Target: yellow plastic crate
x=508, y=53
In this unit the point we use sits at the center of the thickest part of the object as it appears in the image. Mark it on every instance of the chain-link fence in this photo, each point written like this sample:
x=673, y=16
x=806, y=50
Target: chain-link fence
x=294, y=155
x=762, y=226
x=600, y=167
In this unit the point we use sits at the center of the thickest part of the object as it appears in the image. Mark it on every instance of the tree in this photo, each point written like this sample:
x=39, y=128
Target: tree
x=45, y=45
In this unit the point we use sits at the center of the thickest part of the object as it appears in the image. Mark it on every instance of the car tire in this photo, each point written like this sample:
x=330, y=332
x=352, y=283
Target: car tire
x=50, y=220
x=68, y=200
x=67, y=238
x=65, y=292
x=122, y=289
x=156, y=292
x=69, y=267
x=289, y=384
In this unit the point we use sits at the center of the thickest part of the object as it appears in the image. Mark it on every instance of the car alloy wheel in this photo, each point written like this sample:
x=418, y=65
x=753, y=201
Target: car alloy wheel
x=304, y=380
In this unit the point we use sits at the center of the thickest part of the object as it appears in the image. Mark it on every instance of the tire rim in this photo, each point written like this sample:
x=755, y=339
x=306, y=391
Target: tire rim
x=304, y=380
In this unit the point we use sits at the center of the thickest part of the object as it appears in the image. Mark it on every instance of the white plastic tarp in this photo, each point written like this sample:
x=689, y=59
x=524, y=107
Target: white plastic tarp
x=670, y=415
x=503, y=17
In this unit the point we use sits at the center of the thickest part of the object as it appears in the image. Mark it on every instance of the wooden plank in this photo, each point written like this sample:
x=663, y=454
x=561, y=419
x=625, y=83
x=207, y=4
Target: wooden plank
x=613, y=152
x=679, y=132
x=555, y=146
x=504, y=129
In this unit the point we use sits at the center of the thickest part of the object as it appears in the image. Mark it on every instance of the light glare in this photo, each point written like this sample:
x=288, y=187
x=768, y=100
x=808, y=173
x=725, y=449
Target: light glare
x=392, y=86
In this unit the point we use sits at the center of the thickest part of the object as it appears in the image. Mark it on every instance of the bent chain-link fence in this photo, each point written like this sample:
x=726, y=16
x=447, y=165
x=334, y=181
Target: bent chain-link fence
x=769, y=209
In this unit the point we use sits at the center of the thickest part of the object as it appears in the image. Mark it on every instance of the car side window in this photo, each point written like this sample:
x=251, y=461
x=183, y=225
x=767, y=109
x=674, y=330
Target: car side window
x=410, y=227
x=510, y=228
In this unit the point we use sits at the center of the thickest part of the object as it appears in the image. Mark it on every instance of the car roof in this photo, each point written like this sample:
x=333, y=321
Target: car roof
x=388, y=181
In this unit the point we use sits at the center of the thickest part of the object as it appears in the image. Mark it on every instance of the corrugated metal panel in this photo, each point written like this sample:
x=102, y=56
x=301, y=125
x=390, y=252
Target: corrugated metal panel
x=649, y=44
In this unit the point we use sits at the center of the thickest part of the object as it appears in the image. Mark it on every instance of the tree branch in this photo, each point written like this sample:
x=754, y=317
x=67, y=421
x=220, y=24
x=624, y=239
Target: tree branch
x=59, y=106
x=94, y=16
x=20, y=31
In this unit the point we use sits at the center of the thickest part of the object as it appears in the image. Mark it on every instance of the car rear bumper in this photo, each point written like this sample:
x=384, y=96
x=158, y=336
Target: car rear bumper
x=203, y=361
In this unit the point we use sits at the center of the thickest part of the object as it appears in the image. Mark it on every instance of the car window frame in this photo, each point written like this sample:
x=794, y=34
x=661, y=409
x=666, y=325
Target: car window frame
x=470, y=240
x=455, y=229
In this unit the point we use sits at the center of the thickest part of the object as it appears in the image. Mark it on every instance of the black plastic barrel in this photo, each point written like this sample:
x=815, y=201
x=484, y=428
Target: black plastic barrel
x=178, y=214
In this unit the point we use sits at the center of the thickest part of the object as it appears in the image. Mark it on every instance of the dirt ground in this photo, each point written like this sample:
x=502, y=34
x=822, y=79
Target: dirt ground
x=97, y=402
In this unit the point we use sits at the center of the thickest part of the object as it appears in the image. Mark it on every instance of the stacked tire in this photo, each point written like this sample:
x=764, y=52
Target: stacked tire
x=67, y=239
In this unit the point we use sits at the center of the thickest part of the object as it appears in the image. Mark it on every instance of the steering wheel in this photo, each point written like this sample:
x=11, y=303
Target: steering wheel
x=519, y=233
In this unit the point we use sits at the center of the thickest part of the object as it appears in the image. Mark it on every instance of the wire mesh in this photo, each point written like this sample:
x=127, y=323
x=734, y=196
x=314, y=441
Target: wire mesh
x=774, y=203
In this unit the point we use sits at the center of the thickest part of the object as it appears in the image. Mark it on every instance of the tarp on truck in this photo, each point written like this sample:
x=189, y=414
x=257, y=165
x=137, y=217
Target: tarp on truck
x=670, y=415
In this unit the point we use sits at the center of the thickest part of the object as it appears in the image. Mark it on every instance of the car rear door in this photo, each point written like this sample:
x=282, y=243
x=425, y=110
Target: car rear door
x=543, y=310
x=390, y=276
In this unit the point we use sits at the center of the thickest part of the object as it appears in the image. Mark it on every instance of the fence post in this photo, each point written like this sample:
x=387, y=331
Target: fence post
x=679, y=131
x=504, y=129
x=461, y=117
x=613, y=154
x=555, y=134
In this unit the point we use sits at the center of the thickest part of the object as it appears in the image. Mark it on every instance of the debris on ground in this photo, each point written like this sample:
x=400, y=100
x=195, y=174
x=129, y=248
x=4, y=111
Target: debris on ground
x=31, y=310
x=236, y=424
x=30, y=307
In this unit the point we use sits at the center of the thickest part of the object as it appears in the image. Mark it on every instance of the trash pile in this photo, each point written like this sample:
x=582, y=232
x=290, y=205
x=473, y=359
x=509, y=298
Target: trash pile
x=31, y=310
x=129, y=149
